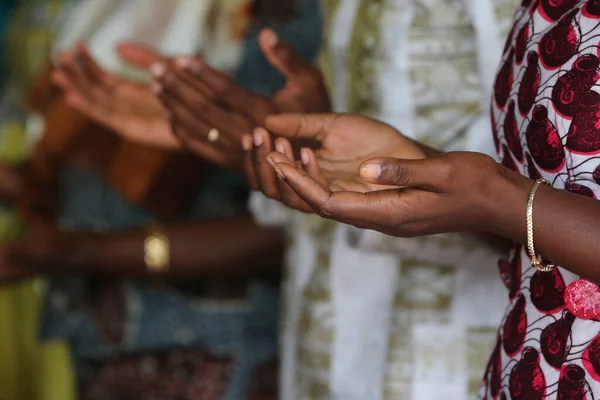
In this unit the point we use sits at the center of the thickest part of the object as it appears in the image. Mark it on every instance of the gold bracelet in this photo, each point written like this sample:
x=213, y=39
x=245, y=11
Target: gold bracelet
x=535, y=261
x=157, y=251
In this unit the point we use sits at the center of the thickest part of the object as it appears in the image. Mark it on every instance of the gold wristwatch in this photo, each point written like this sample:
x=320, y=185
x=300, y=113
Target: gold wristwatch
x=157, y=251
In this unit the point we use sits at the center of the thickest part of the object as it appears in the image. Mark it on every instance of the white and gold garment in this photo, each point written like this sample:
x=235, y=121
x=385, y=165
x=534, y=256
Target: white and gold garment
x=371, y=317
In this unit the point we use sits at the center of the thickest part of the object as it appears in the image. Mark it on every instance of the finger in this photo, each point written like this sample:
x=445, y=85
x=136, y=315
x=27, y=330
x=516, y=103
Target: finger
x=432, y=174
x=159, y=69
x=192, y=133
x=184, y=119
x=61, y=79
x=79, y=80
x=288, y=196
x=164, y=79
x=198, y=127
x=68, y=66
x=88, y=65
x=313, y=193
x=247, y=145
x=197, y=146
x=73, y=96
x=367, y=210
x=227, y=91
x=285, y=58
x=301, y=126
x=201, y=106
x=139, y=55
x=265, y=175
x=310, y=164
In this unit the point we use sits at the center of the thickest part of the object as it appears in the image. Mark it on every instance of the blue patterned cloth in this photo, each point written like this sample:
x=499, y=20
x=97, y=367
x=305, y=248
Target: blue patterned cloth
x=160, y=316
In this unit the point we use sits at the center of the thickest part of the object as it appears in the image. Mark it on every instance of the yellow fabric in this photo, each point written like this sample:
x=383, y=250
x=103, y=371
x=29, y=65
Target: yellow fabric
x=29, y=370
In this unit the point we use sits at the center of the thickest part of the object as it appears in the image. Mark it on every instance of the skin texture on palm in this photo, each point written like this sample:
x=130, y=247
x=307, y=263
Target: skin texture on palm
x=196, y=98
x=128, y=108
x=343, y=143
x=453, y=192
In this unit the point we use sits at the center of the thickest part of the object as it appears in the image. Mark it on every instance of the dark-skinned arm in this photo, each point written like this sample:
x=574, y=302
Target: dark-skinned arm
x=499, y=244
x=221, y=248
x=566, y=225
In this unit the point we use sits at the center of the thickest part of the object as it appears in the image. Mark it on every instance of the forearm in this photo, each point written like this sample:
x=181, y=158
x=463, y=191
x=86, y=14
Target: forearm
x=11, y=183
x=566, y=225
x=234, y=247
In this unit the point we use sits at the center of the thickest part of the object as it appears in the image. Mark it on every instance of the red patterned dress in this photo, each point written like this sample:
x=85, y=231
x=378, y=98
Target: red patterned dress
x=546, y=123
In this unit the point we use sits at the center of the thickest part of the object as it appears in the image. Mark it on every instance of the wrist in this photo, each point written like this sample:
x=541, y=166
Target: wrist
x=507, y=201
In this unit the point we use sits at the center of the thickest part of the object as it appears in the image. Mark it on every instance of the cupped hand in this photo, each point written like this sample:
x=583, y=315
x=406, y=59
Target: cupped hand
x=126, y=107
x=344, y=140
x=454, y=192
x=201, y=98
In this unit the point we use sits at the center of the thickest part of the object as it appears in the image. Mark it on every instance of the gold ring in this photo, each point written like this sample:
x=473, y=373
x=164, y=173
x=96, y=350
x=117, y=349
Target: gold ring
x=213, y=135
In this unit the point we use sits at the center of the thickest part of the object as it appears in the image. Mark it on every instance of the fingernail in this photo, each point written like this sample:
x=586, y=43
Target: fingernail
x=157, y=69
x=271, y=38
x=280, y=147
x=258, y=139
x=246, y=143
x=156, y=87
x=370, y=171
x=304, y=156
x=183, y=62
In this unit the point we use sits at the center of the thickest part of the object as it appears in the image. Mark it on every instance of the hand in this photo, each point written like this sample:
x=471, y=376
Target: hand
x=454, y=192
x=128, y=108
x=345, y=141
x=200, y=98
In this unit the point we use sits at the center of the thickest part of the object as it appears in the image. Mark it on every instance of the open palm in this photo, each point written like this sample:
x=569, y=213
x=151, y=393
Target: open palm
x=129, y=108
x=346, y=142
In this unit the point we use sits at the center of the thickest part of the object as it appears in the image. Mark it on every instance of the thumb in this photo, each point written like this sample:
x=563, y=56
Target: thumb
x=428, y=174
x=284, y=57
x=138, y=55
x=301, y=126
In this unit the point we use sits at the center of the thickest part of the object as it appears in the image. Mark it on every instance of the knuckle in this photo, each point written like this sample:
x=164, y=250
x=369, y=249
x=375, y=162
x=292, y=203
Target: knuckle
x=448, y=173
x=396, y=173
x=302, y=126
x=327, y=209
